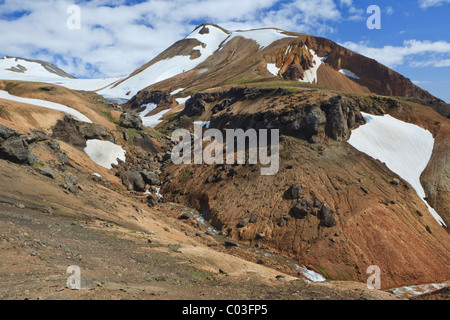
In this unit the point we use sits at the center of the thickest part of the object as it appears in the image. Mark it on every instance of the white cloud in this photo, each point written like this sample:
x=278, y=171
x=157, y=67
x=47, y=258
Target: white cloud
x=432, y=3
x=415, y=53
x=115, y=38
x=390, y=11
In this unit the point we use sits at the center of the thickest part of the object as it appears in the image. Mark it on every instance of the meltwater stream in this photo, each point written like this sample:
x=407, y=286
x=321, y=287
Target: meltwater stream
x=309, y=274
x=402, y=292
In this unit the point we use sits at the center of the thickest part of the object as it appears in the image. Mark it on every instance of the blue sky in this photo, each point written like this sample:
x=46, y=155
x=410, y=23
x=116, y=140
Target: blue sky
x=118, y=36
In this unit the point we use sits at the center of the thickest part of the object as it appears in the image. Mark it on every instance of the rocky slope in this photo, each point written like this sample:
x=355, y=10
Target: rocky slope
x=330, y=208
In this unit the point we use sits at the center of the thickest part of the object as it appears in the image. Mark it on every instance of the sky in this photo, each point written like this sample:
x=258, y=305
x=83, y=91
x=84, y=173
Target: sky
x=113, y=38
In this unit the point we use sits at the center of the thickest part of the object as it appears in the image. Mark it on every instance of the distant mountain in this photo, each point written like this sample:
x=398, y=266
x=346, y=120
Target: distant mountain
x=12, y=68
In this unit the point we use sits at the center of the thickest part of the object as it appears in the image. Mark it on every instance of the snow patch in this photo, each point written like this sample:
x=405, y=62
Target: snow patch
x=25, y=70
x=35, y=72
x=311, y=275
x=272, y=68
x=405, y=148
x=349, y=74
x=152, y=121
x=104, y=153
x=264, y=37
x=310, y=75
x=46, y=104
x=148, y=108
x=182, y=100
x=177, y=91
x=412, y=291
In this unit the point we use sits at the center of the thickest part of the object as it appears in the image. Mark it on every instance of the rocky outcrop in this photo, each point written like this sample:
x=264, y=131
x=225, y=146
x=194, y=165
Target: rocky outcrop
x=337, y=119
x=14, y=148
x=18, y=151
x=160, y=98
x=333, y=118
x=132, y=180
x=130, y=119
x=76, y=133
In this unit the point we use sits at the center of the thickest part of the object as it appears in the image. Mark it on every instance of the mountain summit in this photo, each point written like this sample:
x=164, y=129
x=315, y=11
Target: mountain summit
x=211, y=56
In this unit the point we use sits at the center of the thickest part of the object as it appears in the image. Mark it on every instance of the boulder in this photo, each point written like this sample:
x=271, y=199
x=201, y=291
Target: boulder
x=130, y=119
x=327, y=216
x=151, y=178
x=6, y=133
x=18, y=151
x=243, y=223
x=294, y=192
x=314, y=123
x=329, y=221
x=47, y=172
x=133, y=180
x=68, y=130
x=302, y=208
x=281, y=223
x=95, y=131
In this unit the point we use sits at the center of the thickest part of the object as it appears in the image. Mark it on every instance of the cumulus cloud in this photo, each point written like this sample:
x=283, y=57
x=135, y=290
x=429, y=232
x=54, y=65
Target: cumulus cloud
x=425, y=53
x=432, y=3
x=120, y=35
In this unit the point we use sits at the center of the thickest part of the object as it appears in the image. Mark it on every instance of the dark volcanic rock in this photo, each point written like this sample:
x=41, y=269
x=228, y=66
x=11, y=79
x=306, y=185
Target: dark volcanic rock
x=76, y=133
x=243, y=223
x=302, y=208
x=68, y=130
x=327, y=216
x=133, y=180
x=47, y=172
x=95, y=131
x=130, y=119
x=151, y=178
x=337, y=125
x=329, y=221
x=6, y=133
x=18, y=151
x=294, y=192
x=314, y=123
x=294, y=72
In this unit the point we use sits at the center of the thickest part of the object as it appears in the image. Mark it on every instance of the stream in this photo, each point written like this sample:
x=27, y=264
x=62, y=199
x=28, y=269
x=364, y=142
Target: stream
x=308, y=274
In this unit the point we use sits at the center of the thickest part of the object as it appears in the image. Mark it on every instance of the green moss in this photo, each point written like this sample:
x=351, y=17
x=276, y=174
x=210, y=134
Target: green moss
x=197, y=275
x=273, y=83
x=108, y=116
x=323, y=272
x=186, y=176
x=37, y=165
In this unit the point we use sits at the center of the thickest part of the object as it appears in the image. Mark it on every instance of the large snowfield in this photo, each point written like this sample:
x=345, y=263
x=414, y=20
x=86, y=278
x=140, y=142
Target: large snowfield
x=405, y=148
x=35, y=72
x=46, y=104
